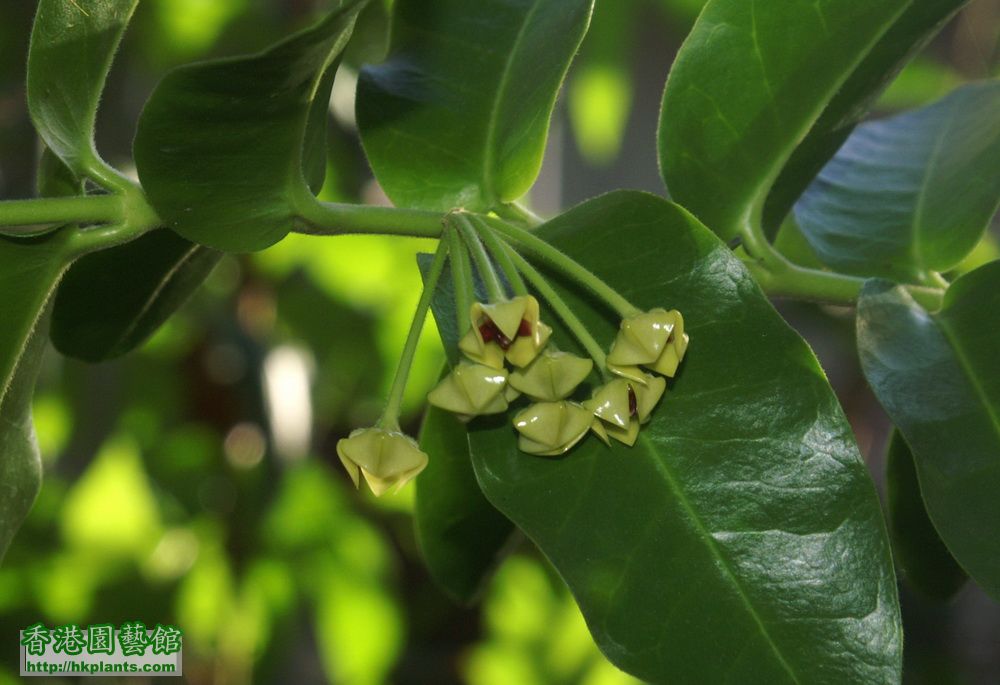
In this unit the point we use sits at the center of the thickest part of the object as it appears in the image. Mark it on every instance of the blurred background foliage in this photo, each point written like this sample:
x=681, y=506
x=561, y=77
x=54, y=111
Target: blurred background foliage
x=195, y=482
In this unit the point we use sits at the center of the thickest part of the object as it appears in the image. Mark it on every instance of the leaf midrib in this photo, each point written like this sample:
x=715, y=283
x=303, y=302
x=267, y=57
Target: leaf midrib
x=723, y=563
x=155, y=295
x=489, y=156
x=917, y=224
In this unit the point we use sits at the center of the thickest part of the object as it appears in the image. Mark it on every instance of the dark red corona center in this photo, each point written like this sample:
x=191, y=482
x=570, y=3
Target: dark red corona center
x=633, y=402
x=489, y=331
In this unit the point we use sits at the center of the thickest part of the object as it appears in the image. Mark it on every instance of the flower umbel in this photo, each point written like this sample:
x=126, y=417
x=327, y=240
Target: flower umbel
x=551, y=428
x=386, y=458
x=654, y=340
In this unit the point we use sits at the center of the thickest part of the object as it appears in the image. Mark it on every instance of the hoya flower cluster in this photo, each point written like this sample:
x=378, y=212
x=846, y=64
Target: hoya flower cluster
x=510, y=332
x=507, y=356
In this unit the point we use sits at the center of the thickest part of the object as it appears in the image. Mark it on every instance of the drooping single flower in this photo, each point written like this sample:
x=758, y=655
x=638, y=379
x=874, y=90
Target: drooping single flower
x=655, y=340
x=510, y=329
x=551, y=428
x=385, y=458
x=552, y=376
x=621, y=406
x=472, y=390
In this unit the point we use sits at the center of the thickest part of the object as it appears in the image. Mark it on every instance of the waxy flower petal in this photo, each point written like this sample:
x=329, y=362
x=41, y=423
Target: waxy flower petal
x=653, y=339
x=385, y=458
x=551, y=428
x=510, y=329
x=631, y=373
x=471, y=390
x=507, y=315
x=552, y=376
x=525, y=348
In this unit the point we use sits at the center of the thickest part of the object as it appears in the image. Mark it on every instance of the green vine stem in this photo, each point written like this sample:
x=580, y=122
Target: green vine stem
x=499, y=253
x=780, y=277
x=494, y=286
x=390, y=417
x=334, y=218
x=461, y=275
x=20, y=215
x=554, y=258
x=561, y=309
x=518, y=213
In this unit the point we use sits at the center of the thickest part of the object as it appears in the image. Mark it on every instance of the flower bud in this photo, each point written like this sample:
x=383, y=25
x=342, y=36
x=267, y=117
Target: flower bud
x=622, y=406
x=471, y=390
x=653, y=339
x=551, y=428
x=552, y=376
x=385, y=458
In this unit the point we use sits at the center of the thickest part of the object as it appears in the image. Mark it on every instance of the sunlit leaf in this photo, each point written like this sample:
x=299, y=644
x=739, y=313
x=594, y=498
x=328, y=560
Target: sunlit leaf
x=910, y=33
x=112, y=509
x=746, y=90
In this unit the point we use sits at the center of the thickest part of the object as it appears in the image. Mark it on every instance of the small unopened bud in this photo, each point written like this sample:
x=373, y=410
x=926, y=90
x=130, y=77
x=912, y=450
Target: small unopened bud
x=621, y=406
x=551, y=428
x=653, y=339
x=385, y=458
x=471, y=390
x=552, y=376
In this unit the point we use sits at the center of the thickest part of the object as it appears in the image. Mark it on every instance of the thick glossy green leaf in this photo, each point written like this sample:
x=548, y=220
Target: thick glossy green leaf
x=224, y=149
x=741, y=539
x=909, y=194
x=745, y=91
x=908, y=35
x=459, y=113
x=29, y=272
x=461, y=535
x=938, y=377
x=927, y=564
x=111, y=301
x=72, y=45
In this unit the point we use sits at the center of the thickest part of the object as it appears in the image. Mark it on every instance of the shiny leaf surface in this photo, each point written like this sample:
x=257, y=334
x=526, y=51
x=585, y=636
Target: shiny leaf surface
x=918, y=24
x=745, y=90
x=741, y=536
